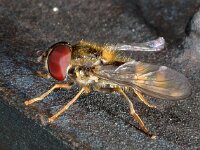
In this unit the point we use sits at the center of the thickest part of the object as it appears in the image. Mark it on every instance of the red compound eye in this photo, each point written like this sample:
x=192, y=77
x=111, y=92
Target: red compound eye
x=58, y=60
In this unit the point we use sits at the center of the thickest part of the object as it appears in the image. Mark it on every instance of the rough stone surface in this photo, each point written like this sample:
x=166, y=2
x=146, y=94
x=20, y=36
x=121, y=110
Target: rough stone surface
x=95, y=121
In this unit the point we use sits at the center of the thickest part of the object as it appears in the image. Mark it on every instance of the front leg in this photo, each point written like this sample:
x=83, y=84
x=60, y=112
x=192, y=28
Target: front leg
x=43, y=75
x=41, y=97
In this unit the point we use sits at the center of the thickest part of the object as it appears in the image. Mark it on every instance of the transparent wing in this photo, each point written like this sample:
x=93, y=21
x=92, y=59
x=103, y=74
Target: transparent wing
x=155, y=45
x=157, y=81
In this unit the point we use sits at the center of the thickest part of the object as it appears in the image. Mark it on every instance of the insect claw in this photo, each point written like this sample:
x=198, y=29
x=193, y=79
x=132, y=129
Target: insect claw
x=153, y=137
x=152, y=106
x=50, y=120
x=29, y=102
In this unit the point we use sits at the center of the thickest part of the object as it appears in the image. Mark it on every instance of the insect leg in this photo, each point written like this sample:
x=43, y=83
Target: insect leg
x=31, y=101
x=84, y=89
x=43, y=75
x=132, y=110
x=142, y=99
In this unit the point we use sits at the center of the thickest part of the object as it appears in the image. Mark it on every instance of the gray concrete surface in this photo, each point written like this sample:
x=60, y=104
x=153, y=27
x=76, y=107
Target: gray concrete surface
x=95, y=121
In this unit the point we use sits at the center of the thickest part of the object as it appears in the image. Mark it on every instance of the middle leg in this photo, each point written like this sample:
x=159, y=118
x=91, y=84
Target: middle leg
x=84, y=89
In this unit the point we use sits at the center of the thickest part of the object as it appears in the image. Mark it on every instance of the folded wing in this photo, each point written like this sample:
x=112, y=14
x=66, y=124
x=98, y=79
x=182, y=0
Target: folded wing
x=157, y=81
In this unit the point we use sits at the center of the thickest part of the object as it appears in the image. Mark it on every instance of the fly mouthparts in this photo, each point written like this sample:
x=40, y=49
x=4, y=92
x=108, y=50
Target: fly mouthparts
x=39, y=59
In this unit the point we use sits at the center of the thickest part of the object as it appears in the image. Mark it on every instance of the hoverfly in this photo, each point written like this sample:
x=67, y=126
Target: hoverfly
x=102, y=68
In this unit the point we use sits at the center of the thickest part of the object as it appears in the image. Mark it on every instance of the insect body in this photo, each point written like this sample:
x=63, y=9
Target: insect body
x=105, y=70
